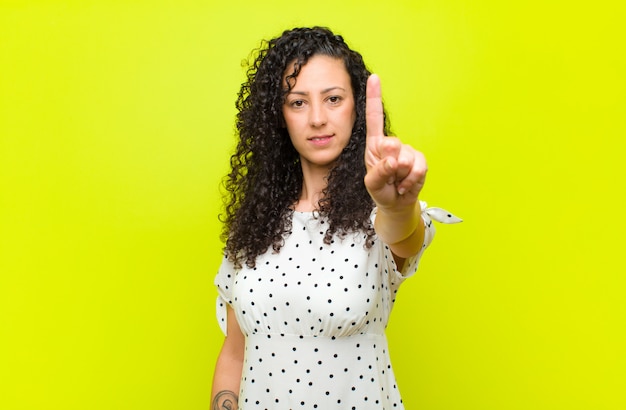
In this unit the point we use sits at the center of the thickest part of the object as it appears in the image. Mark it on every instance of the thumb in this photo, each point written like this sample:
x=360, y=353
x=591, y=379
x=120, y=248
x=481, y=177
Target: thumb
x=381, y=174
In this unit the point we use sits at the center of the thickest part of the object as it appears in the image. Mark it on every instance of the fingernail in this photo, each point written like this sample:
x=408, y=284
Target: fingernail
x=401, y=190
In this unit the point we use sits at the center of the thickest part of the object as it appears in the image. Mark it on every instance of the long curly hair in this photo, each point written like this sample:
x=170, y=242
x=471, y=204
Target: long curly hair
x=265, y=180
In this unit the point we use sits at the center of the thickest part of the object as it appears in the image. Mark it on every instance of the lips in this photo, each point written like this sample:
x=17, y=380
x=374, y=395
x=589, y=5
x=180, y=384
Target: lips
x=320, y=139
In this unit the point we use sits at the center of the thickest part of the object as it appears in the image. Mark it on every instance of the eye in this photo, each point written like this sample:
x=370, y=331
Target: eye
x=297, y=103
x=334, y=99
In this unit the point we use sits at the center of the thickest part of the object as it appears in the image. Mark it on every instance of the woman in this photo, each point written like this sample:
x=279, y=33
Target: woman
x=322, y=224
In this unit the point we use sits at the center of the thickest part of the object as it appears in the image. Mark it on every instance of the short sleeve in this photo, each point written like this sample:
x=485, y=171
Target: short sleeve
x=224, y=284
x=411, y=264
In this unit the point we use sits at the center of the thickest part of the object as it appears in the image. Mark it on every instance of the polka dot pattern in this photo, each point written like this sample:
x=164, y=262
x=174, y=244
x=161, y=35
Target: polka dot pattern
x=314, y=317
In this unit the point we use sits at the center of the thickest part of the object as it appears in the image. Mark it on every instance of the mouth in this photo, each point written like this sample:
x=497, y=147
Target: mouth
x=320, y=139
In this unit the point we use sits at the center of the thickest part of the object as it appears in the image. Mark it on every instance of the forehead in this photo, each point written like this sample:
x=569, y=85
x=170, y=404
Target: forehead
x=318, y=69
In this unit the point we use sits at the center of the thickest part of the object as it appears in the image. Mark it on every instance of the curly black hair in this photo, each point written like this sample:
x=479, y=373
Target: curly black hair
x=265, y=180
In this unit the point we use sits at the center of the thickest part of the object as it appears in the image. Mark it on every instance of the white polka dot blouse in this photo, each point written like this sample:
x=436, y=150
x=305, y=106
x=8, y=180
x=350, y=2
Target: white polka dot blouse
x=314, y=318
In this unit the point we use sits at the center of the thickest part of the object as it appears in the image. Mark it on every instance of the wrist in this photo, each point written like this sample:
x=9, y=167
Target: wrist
x=395, y=224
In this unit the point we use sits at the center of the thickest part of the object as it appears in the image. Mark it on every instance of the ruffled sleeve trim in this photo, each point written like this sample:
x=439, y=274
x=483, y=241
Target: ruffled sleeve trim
x=438, y=214
x=224, y=283
x=221, y=313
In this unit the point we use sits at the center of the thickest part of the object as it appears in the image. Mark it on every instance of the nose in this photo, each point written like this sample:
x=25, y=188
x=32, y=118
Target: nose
x=317, y=115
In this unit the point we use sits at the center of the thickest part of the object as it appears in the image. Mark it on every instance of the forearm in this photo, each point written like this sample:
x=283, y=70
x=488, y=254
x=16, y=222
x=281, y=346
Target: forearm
x=402, y=229
x=226, y=380
x=227, y=376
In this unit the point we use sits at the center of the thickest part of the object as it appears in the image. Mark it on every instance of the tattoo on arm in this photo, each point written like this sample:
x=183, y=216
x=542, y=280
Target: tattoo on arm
x=225, y=400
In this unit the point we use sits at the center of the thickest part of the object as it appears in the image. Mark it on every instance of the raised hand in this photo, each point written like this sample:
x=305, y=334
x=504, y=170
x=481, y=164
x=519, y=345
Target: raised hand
x=396, y=172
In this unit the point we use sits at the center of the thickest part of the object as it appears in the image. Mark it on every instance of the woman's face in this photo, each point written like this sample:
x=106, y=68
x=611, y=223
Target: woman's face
x=319, y=111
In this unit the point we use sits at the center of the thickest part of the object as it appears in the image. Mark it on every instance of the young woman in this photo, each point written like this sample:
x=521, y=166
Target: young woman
x=322, y=224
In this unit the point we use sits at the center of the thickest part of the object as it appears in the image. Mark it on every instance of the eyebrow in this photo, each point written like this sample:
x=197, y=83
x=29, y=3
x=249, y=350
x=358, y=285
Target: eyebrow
x=324, y=91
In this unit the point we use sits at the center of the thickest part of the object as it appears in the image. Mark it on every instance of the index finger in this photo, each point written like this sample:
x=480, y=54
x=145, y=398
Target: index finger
x=374, y=117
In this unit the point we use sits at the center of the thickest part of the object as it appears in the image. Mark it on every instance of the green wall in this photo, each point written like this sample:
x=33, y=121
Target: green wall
x=116, y=123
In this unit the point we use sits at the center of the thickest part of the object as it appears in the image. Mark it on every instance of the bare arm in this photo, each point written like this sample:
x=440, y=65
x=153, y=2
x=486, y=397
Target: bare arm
x=396, y=173
x=402, y=230
x=227, y=376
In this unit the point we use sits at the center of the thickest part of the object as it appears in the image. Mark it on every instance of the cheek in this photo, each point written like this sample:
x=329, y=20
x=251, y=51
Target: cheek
x=351, y=118
x=290, y=121
x=352, y=113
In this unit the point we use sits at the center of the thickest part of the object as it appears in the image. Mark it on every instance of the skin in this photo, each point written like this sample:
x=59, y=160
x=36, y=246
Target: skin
x=319, y=115
x=396, y=173
x=227, y=375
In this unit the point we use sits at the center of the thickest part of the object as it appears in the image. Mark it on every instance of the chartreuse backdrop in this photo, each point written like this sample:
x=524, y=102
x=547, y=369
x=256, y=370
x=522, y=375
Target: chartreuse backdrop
x=116, y=126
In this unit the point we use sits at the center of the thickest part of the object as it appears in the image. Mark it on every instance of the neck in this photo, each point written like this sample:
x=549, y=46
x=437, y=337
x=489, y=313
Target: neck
x=314, y=181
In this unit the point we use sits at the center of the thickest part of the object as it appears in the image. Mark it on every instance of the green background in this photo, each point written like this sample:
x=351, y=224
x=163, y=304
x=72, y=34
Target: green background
x=116, y=124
